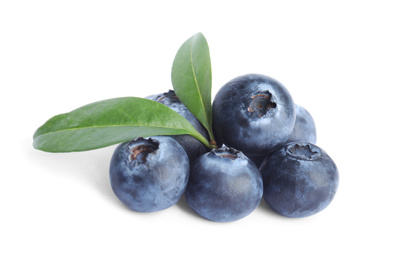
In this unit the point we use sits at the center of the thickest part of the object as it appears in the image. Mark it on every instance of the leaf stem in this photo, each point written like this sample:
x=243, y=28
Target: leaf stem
x=213, y=145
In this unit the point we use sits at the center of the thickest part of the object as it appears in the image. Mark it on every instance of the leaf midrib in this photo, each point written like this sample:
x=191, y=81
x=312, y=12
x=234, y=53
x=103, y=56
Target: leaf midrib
x=197, y=83
x=111, y=126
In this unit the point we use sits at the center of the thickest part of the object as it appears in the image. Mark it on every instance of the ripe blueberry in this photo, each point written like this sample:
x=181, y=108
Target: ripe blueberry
x=193, y=147
x=304, y=129
x=300, y=179
x=149, y=174
x=224, y=185
x=253, y=113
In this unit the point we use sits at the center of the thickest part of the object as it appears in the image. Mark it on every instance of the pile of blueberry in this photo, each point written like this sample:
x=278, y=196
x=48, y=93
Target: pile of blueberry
x=265, y=148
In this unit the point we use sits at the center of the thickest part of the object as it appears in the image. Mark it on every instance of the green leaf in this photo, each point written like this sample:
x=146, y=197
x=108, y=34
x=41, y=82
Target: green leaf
x=109, y=122
x=191, y=79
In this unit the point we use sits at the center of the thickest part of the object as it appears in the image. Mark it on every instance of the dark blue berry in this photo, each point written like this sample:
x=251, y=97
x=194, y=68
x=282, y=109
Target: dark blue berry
x=254, y=114
x=224, y=185
x=304, y=129
x=300, y=179
x=149, y=174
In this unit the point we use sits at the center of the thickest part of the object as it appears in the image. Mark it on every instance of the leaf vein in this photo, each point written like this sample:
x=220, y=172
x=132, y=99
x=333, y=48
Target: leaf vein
x=112, y=126
x=197, y=83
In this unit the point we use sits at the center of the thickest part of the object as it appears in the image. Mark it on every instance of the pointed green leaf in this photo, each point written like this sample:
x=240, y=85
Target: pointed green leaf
x=191, y=78
x=109, y=122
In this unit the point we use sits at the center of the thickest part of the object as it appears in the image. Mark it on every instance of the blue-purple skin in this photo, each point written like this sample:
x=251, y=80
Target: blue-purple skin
x=300, y=180
x=257, y=160
x=254, y=114
x=151, y=174
x=193, y=147
x=224, y=185
x=304, y=129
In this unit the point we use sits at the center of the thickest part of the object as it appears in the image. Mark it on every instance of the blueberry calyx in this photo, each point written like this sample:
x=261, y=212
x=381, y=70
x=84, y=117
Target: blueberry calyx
x=261, y=103
x=227, y=152
x=304, y=151
x=169, y=98
x=140, y=148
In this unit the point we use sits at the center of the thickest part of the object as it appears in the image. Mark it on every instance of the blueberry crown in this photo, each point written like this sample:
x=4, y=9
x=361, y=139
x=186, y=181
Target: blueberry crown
x=168, y=98
x=140, y=148
x=227, y=152
x=261, y=103
x=303, y=151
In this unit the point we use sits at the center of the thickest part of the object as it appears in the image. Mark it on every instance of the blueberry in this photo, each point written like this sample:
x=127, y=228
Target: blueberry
x=149, y=174
x=253, y=113
x=224, y=185
x=300, y=179
x=193, y=147
x=304, y=129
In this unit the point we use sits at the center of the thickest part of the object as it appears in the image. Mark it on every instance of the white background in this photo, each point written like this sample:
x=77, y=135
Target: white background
x=342, y=60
